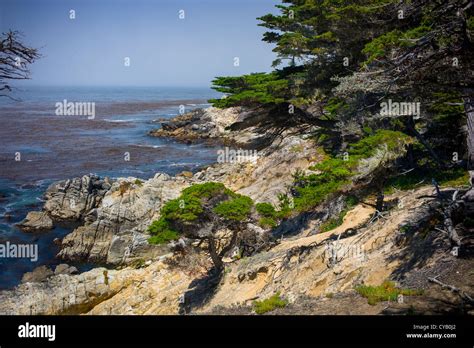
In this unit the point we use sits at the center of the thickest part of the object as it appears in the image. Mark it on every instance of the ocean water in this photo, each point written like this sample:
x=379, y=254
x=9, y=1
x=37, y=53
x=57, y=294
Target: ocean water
x=51, y=147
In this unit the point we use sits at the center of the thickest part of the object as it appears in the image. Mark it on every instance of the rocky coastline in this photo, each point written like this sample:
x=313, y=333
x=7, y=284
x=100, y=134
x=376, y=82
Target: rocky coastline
x=113, y=215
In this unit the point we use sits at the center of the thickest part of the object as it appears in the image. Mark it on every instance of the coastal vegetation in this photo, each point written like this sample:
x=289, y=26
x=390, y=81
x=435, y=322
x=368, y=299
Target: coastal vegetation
x=387, y=291
x=338, y=62
x=199, y=213
x=269, y=304
x=379, y=89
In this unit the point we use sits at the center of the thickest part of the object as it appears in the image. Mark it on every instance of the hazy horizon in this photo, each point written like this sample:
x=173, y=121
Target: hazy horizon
x=164, y=50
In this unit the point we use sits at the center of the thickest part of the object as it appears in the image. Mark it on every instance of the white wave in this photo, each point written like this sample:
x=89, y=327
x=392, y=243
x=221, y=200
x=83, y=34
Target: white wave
x=122, y=121
x=149, y=146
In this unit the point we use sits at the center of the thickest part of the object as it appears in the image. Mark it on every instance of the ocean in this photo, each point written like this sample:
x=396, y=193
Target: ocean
x=39, y=147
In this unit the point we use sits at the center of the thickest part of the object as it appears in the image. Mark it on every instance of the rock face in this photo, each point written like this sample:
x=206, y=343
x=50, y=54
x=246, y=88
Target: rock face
x=325, y=263
x=39, y=274
x=36, y=221
x=151, y=290
x=210, y=124
x=306, y=270
x=72, y=199
x=65, y=269
x=115, y=229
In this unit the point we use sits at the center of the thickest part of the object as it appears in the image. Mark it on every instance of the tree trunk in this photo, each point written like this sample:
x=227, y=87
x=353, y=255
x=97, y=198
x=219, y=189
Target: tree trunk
x=379, y=205
x=213, y=252
x=449, y=225
x=469, y=109
x=434, y=156
x=231, y=244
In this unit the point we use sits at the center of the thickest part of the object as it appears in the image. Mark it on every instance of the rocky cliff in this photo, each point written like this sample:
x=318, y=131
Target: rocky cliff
x=315, y=272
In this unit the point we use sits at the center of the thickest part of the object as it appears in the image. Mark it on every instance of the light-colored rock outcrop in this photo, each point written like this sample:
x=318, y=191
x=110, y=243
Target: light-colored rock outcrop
x=153, y=289
x=306, y=266
x=36, y=221
x=71, y=199
x=210, y=124
x=115, y=230
x=39, y=274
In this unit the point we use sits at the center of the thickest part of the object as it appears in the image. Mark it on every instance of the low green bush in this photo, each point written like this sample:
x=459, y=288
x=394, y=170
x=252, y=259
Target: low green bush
x=268, y=305
x=448, y=178
x=387, y=291
x=138, y=182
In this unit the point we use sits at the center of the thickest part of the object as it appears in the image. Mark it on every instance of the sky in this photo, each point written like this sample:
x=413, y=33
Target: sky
x=163, y=50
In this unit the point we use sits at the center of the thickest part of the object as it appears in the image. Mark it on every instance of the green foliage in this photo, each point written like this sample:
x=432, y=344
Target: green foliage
x=205, y=190
x=190, y=206
x=368, y=145
x=381, y=46
x=267, y=222
x=266, y=209
x=124, y=187
x=470, y=23
x=315, y=38
x=138, y=182
x=163, y=237
x=286, y=206
x=138, y=263
x=253, y=89
x=269, y=304
x=336, y=172
x=448, y=178
x=387, y=291
x=468, y=222
x=185, y=208
x=236, y=209
x=333, y=223
x=268, y=215
x=161, y=232
x=453, y=177
x=368, y=130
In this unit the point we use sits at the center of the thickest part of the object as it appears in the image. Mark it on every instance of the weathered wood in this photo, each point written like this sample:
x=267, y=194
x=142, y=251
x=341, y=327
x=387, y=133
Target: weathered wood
x=452, y=288
x=449, y=225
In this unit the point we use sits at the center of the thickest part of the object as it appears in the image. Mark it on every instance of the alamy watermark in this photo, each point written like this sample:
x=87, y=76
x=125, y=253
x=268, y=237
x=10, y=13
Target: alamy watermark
x=228, y=155
x=336, y=251
x=37, y=331
x=393, y=108
x=22, y=251
x=66, y=108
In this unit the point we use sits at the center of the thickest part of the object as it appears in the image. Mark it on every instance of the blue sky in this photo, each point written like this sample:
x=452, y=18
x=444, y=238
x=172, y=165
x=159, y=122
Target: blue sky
x=163, y=49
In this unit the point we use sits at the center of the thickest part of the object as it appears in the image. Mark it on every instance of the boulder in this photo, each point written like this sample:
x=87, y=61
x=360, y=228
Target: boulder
x=39, y=274
x=186, y=174
x=72, y=199
x=36, y=221
x=65, y=269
